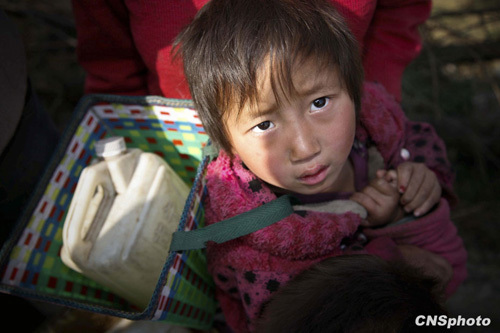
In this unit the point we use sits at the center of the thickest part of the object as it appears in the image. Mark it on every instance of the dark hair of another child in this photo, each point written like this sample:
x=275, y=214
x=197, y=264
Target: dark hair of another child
x=353, y=294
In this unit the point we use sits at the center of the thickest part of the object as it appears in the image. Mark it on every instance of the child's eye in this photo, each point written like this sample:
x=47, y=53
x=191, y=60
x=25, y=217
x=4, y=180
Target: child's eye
x=263, y=126
x=319, y=103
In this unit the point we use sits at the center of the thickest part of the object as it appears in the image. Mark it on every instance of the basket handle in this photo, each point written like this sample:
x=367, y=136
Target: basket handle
x=234, y=227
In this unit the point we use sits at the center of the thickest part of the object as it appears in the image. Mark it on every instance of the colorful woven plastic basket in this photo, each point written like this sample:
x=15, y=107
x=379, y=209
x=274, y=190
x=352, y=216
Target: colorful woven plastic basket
x=31, y=266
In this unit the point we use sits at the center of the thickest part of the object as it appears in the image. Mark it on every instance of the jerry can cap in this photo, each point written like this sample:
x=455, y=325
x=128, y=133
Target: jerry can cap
x=109, y=147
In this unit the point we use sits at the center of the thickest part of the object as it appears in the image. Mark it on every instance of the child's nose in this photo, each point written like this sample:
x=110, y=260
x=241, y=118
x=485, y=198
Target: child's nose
x=304, y=144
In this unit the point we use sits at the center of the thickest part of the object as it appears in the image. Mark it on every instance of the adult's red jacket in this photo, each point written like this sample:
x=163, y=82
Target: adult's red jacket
x=124, y=46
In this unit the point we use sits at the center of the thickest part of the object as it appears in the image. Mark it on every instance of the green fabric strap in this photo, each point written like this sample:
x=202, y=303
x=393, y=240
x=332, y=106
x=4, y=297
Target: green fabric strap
x=234, y=227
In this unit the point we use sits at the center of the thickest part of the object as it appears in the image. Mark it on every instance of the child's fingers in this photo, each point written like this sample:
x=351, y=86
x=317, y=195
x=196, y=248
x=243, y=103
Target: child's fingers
x=432, y=199
x=425, y=195
x=391, y=177
x=412, y=188
x=368, y=198
x=404, y=173
x=382, y=186
x=367, y=202
x=381, y=173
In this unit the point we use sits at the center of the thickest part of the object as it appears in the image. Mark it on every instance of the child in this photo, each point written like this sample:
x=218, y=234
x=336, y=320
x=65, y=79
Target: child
x=279, y=88
x=353, y=293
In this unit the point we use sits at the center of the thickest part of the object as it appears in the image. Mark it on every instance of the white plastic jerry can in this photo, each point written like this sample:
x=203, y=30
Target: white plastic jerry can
x=121, y=219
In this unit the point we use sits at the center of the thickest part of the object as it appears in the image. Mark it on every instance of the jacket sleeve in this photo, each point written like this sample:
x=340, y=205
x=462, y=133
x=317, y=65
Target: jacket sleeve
x=434, y=232
x=125, y=46
x=425, y=146
x=392, y=41
x=398, y=139
x=387, y=32
x=106, y=49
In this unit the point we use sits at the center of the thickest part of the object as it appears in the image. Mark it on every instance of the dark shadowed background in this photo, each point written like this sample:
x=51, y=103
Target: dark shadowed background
x=454, y=84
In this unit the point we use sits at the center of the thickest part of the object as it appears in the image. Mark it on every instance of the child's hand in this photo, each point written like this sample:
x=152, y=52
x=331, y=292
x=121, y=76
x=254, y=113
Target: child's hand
x=381, y=200
x=419, y=187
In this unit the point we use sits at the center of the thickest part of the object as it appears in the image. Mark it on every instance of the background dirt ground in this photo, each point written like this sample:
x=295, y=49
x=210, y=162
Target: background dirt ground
x=454, y=85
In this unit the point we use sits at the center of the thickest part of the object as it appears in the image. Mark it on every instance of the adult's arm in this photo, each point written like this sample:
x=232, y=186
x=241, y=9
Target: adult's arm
x=392, y=41
x=106, y=49
x=125, y=46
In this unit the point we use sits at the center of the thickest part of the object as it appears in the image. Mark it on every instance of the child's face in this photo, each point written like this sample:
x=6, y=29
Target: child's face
x=302, y=145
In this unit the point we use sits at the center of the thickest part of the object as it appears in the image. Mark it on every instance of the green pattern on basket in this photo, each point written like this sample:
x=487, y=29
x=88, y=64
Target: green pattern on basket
x=185, y=292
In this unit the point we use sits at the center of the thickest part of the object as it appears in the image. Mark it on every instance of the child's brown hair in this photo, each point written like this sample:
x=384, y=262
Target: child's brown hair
x=353, y=293
x=229, y=42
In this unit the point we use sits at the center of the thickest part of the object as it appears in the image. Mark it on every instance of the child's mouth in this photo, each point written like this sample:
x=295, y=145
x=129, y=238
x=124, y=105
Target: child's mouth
x=314, y=176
